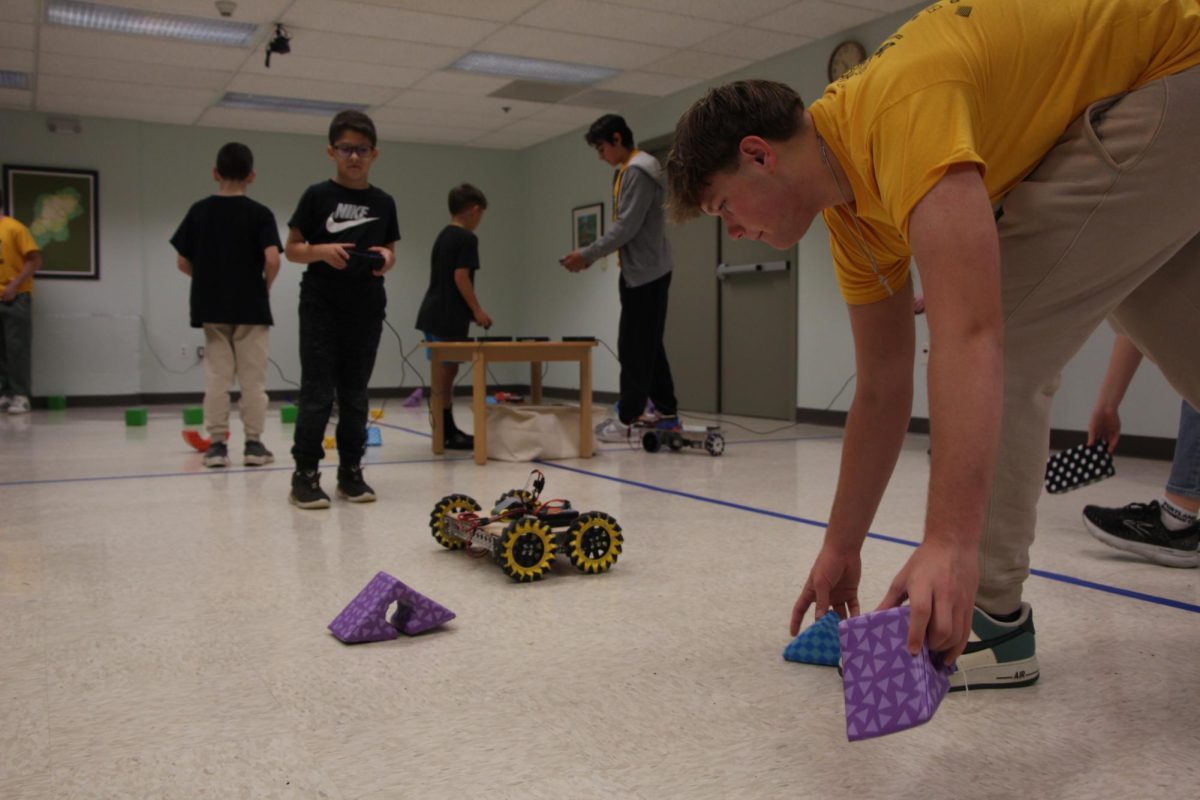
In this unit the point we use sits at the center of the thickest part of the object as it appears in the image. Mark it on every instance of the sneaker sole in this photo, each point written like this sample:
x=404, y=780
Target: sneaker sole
x=1165, y=556
x=258, y=461
x=310, y=504
x=214, y=464
x=365, y=497
x=1009, y=675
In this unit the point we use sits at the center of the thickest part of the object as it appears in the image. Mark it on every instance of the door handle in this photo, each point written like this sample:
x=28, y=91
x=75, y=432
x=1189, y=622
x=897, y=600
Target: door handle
x=725, y=270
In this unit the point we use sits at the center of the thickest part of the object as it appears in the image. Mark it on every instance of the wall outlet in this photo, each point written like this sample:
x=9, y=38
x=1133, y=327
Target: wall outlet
x=200, y=352
x=925, y=353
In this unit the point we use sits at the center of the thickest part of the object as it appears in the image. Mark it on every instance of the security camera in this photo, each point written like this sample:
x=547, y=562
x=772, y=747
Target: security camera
x=279, y=44
x=226, y=7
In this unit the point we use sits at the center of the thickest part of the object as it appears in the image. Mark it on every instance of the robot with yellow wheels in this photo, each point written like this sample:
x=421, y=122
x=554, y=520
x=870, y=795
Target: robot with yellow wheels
x=710, y=439
x=524, y=534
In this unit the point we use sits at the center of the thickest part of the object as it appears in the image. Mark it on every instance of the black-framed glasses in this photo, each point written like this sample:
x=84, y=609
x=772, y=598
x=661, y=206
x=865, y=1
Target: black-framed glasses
x=347, y=150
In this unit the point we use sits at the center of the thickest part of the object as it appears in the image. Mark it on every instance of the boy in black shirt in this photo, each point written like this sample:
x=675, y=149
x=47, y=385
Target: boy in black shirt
x=229, y=245
x=450, y=303
x=346, y=231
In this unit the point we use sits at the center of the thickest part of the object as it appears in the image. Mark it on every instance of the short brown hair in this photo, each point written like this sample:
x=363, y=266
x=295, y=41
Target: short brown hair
x=463, y=196
x=352, y=120
x=707, y=136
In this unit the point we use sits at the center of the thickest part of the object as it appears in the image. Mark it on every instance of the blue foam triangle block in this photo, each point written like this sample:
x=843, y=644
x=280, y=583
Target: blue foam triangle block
x=817, y=644
x=374, y=437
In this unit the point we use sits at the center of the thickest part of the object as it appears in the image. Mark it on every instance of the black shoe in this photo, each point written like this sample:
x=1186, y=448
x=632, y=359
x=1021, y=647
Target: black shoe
x=306, y=490
x=457, y=440
x=352, y=487
x=1137, y=528
x=255, y=454
x=217, y=455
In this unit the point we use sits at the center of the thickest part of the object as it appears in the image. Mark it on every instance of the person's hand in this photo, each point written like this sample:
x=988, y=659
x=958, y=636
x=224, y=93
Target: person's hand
x=939, y=581
x=389, y=260
x=334, y=255
x=574, y=261
x=10, y=293
x=482, y=319
x=1105, y=424
x=832, y=583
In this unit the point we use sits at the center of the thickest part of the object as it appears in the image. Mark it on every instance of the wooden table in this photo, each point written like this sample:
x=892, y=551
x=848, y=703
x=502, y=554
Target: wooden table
x=480, y=354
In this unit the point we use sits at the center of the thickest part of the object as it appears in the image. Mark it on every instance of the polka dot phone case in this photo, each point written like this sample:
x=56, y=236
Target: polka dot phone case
x=1078, y=466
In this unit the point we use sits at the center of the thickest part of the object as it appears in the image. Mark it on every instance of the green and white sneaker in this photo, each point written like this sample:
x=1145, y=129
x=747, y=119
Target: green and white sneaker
x=999, y=655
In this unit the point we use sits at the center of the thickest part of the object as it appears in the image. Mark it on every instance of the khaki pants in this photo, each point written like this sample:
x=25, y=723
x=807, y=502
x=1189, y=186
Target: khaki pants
x=1107, y=226
x=235, y=351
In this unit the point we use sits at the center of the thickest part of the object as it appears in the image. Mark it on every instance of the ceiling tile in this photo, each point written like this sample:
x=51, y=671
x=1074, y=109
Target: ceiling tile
x=537, y=43
x=647, y=83
x=390, y=116
x=701, y=66
x=18, y=11
x=720, y=10
x=517, y=109
x=133, y=109
x=815, y=19
x=619, y=22
x=371, y=49
x=277, y=86
x=246, y=119
x=456, y=82
x=576, y=116
x=125, y=92
x=256, y=11
x=18, y=35
x=433, y=134
x=16, y=98
x=495, y=10
x=326, y=69
x=17, y=60
x=139, y=48
x=132, y=72
x=412, y=26
x=751, y=43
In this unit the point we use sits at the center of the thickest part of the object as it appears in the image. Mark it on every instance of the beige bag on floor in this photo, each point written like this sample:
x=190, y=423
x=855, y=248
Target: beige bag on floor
x=523, y=433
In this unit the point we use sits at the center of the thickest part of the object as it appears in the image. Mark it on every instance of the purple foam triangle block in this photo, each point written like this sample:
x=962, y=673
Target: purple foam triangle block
x=414, y=399
x=887, y=690
x=365, y=618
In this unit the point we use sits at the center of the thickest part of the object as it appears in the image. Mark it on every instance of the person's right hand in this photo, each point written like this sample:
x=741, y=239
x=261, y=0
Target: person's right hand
x=482, y=319
x=1105, y=424
x=335, y=254
x=832, y=583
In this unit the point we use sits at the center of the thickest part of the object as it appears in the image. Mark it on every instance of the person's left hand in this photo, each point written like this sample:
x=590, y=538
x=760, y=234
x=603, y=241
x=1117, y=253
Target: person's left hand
x=939, y=581
x=574, y=261
x=389, y=260
x=10, y=293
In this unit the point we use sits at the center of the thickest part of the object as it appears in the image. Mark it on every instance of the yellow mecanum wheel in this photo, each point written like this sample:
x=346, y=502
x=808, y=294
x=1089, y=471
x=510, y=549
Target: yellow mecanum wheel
x=526, y=549
x=452, y=505
x=593, y=542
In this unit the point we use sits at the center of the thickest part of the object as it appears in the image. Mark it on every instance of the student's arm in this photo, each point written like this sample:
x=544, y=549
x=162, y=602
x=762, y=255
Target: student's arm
x=388, y=251
x=30, y=264
x=184, y=265
x=953, y=236
x=299, y=251
x=638, y=193
x=270, y=264
x=462, y=279
x=1106, y=418
x=884, y=345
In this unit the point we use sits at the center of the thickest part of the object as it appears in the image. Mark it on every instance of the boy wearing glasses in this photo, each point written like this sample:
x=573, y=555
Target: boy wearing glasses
x=345, y=230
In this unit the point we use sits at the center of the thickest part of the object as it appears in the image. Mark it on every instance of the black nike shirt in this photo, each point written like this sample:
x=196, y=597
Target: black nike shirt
x=331, y=213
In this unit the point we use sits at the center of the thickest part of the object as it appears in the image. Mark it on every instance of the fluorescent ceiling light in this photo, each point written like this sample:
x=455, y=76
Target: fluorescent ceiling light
x=295, y=105
x=532, y=68
x=112, y=19
x=13, y=80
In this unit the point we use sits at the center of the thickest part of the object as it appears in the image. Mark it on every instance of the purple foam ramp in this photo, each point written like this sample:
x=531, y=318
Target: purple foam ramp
x=365, y=619
x=887, y=689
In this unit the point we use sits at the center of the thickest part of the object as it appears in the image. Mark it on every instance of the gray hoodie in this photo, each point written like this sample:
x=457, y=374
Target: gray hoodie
x=640, y=229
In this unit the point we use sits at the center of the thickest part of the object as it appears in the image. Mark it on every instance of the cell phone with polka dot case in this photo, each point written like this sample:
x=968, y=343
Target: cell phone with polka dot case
x=1078, y=466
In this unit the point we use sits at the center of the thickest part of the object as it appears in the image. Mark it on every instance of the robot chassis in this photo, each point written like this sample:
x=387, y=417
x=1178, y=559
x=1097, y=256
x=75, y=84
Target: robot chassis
x=524, y=534
x=710, y=439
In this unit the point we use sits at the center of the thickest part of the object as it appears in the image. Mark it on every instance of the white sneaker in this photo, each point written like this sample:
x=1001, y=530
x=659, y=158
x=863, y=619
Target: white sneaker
x=19, y=405
x=5, y=402
x=611, y=430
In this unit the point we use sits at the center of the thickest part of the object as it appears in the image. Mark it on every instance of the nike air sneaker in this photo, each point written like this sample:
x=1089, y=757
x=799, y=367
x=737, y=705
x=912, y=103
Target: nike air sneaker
x=256, y=454
x=1138, y=528
x=999, y=655
x=352, y=487
x=217, y=455
x=612, y=430
x=306, y=490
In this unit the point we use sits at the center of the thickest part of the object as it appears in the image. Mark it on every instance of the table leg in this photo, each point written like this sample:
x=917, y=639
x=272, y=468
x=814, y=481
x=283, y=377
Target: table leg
x=479, y=403
x=535, y=382
x=585, y=404
x=436, y=379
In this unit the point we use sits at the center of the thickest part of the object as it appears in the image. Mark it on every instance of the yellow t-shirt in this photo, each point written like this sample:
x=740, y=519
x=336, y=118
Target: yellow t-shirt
x=990, y=82
x=16, y=242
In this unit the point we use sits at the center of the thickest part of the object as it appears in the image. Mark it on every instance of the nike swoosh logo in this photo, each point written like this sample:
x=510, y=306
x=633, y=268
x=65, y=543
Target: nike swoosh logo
x=336, y=226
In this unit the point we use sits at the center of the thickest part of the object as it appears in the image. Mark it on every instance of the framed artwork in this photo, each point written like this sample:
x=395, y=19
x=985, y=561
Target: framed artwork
x=587, y=225
x=59, y=208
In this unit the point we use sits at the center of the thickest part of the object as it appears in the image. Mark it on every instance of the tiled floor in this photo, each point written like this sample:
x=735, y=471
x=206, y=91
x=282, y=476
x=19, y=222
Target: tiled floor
x=163, y=634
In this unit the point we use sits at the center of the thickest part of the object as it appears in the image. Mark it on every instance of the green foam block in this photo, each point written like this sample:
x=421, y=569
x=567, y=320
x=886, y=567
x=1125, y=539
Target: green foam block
x=136, y=416
x=287, y=413
x=56, y=402
x=193, y=416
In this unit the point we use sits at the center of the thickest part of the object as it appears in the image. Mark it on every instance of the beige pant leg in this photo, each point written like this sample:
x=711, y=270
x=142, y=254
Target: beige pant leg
x=251, y=344
x=218, y=378
x=1106, y=210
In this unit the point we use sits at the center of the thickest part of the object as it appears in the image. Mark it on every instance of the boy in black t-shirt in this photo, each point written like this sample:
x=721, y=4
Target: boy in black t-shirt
x=450, y=303
x=229, y=245
x=345, y=229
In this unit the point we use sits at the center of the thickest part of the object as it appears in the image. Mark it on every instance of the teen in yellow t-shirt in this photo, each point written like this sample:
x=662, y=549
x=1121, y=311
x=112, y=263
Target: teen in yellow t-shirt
x=1037, y=160
x=19, y=259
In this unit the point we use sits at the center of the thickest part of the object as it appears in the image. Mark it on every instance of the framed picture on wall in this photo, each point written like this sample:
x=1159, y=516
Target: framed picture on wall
x=587, y=225
x=59, y=208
